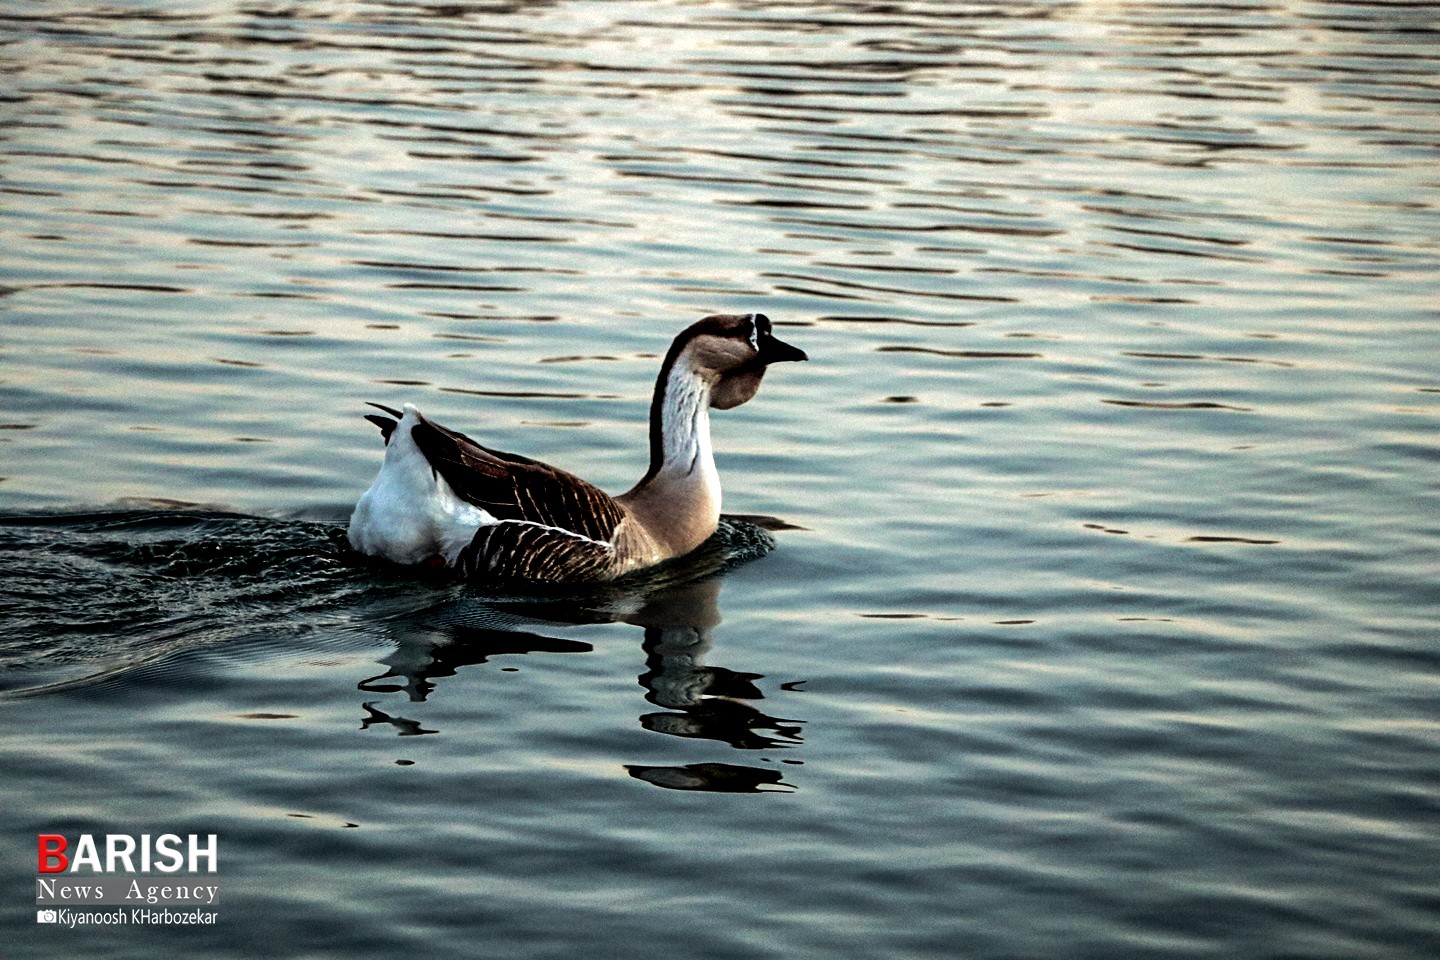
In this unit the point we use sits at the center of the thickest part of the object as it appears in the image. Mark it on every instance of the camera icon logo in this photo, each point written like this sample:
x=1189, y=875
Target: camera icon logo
x=46, y=916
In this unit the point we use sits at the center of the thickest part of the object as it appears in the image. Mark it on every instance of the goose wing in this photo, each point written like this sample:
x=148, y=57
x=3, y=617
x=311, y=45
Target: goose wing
x=512, y=487
x=522, y=550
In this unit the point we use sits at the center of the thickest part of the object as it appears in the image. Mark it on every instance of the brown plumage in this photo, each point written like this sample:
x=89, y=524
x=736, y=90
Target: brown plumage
x=512, y=487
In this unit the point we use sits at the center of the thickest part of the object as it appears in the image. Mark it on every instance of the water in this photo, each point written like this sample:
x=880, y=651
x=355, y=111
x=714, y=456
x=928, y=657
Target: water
x=1101, y=620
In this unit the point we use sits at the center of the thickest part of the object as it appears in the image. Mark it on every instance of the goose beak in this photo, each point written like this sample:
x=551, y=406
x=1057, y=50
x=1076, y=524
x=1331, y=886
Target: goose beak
x=777, y=351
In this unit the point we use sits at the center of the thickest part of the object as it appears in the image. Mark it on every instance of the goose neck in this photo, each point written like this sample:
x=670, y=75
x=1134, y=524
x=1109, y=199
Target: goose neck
x=680, y=424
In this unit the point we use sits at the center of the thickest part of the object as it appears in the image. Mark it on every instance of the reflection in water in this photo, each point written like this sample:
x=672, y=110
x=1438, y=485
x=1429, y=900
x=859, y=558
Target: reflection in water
x=403, y=727
x=426, y=656
x=702, y=702
x=102, y=595
x=712, y=777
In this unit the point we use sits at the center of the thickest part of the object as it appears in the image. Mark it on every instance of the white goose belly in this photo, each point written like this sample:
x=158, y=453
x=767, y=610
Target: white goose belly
x=410, y=514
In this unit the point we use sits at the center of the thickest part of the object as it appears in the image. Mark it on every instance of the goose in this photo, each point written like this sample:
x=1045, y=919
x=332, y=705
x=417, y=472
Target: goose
x=443, y=501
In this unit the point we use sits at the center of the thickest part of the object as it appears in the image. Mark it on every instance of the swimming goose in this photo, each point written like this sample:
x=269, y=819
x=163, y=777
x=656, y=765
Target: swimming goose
x=444, y=501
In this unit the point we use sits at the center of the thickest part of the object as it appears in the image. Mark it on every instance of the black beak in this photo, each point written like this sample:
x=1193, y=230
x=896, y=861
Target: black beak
x=776, y=351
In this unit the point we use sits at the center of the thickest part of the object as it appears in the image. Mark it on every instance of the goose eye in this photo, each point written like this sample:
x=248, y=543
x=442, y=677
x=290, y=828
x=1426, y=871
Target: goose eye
x=761, y=323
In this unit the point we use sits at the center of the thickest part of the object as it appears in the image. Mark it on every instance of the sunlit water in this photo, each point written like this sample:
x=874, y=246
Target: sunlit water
x=1101, y=621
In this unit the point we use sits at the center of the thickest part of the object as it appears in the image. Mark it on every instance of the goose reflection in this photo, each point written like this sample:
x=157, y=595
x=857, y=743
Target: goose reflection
x=701, y=701
x=425, y=655
x=697, y=700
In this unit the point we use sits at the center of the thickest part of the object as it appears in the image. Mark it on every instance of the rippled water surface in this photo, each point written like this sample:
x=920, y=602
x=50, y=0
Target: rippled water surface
x=1100, y=619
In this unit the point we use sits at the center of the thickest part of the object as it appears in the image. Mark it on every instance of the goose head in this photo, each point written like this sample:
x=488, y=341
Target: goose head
x=731, y=353
x=716, y=362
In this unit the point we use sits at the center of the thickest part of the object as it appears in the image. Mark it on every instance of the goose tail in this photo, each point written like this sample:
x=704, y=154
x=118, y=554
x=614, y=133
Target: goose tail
x=388, y=424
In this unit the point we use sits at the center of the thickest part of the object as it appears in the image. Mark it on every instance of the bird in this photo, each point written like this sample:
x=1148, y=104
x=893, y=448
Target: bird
x=445, y=502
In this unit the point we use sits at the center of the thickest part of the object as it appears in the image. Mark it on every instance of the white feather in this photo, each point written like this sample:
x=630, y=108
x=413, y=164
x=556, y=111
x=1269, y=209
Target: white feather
x=410, y=513
x=686, y=426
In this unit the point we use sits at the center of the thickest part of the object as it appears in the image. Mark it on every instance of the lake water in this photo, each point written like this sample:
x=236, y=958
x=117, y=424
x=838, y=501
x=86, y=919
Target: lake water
x=1100, y=619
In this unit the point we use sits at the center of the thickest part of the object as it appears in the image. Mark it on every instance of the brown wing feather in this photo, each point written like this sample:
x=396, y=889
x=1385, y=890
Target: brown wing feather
x=520, y=550
x=512, y=487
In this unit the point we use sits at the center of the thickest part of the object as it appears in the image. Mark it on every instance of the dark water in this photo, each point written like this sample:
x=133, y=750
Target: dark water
x=1102, y=619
